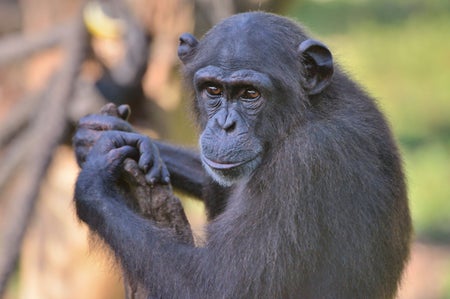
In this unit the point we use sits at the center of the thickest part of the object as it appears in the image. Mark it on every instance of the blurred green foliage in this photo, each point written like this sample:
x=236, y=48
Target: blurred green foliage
x=400, y=52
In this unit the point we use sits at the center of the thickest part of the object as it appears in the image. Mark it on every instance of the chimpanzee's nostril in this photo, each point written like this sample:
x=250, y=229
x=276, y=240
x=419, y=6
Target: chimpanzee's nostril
x=229, y=127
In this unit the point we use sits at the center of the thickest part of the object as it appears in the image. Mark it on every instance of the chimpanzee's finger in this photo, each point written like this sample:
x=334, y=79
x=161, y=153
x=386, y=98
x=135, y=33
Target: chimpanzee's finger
x=148, y=152
x=158, y=173
x=165, y=175
x=109, y=109
x=100, y=122
x=150, y=161
x=116, y=156
x=124, y=112
x=148, y=155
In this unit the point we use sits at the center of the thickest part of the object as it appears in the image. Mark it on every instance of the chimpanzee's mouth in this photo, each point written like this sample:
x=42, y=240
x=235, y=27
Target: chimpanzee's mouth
x=222, y=165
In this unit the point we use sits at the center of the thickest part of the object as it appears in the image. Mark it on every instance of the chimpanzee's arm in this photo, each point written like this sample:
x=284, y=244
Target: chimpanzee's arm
x=147, y=254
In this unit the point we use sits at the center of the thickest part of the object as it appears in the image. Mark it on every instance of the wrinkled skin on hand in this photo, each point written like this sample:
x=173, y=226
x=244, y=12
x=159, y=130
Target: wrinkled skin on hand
x=91, y=127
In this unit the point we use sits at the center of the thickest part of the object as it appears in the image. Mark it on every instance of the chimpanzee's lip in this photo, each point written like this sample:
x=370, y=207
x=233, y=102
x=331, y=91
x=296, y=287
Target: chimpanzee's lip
x=222, y=165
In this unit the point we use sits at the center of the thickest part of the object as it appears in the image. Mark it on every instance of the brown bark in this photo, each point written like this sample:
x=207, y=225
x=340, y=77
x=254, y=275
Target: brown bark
x=47, y=129
x=158, y=204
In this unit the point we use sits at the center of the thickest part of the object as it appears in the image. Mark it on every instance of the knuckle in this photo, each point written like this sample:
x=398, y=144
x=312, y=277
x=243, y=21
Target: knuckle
x=145, y=140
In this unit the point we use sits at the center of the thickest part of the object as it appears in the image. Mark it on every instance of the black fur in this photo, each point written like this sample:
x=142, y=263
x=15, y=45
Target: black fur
x=322, y=213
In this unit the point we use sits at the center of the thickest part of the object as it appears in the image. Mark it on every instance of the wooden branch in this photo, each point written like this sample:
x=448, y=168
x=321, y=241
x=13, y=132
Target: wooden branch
x=158, y=204
x=20, y=124
x=19, y=117
x=18, y=45
x=45, y=132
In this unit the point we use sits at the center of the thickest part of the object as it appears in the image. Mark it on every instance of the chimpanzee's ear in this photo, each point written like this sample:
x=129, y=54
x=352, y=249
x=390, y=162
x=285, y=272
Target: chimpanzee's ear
x=318, y=63
x=187, y=46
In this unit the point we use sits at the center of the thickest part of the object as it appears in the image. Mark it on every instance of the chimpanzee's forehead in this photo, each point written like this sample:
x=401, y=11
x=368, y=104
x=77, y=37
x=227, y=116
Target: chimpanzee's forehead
x=250, y=39
x=241, y=37
x=231, y=43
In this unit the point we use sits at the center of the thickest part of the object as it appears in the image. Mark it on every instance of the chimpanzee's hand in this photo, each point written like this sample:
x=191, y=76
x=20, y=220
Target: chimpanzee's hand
x=102, y=170
x=90, y=128
x=113, y=147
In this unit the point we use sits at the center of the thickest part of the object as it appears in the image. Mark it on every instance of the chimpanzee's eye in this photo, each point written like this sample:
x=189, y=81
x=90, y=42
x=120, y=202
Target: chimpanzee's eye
x=213, y=90
x=250, y=94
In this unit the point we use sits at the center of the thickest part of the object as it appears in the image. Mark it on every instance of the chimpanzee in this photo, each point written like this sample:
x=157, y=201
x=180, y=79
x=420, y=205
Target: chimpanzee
x=301, y=177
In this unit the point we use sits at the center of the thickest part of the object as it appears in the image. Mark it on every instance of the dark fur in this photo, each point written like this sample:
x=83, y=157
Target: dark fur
x=325, y=213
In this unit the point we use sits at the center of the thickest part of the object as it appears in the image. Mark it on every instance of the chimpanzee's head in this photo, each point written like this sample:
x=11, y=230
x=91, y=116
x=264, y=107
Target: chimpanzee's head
x=252, y=75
